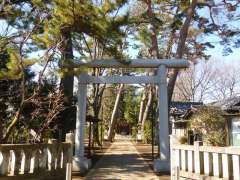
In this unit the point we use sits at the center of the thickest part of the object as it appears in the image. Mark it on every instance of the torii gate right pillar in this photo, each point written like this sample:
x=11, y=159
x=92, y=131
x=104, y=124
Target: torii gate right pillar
x=163, y=163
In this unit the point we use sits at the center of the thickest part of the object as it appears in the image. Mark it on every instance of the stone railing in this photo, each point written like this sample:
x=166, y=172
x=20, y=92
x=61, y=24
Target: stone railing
x=33, y=160
x=204, y=162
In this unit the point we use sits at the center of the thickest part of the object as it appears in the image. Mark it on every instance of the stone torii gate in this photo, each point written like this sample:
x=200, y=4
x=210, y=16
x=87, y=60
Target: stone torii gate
x=81, y=163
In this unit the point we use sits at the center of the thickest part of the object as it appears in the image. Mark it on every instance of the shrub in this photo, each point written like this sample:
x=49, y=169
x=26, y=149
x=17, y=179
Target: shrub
x=183, y=140
x=210, y=123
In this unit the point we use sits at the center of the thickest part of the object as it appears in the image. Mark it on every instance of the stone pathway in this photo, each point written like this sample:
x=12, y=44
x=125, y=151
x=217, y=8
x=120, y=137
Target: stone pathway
x=121, y=162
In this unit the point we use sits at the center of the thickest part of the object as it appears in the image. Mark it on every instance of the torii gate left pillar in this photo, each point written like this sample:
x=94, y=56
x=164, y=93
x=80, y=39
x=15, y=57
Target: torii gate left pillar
x=80, y=162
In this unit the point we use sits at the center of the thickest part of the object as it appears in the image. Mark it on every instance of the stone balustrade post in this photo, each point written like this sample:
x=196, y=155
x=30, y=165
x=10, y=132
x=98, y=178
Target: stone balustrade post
x=12, y=161
x=5, y=162
x=65, y=157
x=69, y=139
x=27, y=160
x=59, y=151
x=34, y=164
x=52, y=154
x=18, y=161
x=44, y=158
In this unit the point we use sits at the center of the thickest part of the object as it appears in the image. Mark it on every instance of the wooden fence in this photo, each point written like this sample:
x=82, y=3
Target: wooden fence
x=36, y=161
x=204, y=162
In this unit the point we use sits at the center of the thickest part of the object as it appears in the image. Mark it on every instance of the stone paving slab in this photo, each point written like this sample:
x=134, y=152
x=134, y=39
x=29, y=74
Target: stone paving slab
x=121, y=162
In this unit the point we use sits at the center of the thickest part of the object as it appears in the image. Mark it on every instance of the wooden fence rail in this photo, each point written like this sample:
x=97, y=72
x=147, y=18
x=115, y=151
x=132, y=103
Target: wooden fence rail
x=204, y=162
x=21, y=160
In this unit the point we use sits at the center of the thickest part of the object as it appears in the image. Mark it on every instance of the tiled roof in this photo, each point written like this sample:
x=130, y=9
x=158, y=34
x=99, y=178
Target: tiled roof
x=184, y=105
x=228, y=104
x=180, y=108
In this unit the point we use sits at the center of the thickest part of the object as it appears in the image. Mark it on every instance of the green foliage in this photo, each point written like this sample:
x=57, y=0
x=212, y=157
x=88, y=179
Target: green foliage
x=210, y=123
x=134, y=132
x=19, y=135
x=11, y=71
x=85, y=18
x=148, y=132
x=108, y=101
x=11, y=64
x=101, y=130
x=131, y=105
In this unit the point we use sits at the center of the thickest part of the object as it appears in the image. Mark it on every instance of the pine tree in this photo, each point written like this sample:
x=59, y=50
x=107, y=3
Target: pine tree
x=74, y=25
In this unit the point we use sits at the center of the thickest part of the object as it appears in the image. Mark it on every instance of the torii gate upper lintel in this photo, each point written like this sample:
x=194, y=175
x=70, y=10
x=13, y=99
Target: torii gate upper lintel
x=80, y=163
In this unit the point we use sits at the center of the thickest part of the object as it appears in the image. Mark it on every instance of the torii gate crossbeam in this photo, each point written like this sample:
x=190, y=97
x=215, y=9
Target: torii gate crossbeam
x=80, y=163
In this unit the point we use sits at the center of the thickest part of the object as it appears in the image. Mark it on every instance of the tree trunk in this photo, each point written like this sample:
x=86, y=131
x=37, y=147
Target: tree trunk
x=67, y=57
x=141, y=109
x=114, y=113
x=68, y=116
x=154, y=50
x=96, y=109
x=147, y=108
x=181, y=46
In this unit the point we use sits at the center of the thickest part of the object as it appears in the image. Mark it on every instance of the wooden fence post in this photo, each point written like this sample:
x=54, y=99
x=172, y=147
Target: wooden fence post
x=197, y=159
x=236, y=166
x=177, y=173
x=175, y=159
x=208, y=163
x=226, y=166
x=190, y=161
x=217, y=169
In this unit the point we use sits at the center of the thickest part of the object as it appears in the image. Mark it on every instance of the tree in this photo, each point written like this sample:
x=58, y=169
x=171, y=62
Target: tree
x=89, y=29
x=226, y=83
x=114, y=113
x=25, y=104
x=147, y=108
x=183, y=33
x=10, y=88
x=182, y=29
x=195, y=83
x=26, y=19
x=14, y=54
x=206, y=82
x=108, y=100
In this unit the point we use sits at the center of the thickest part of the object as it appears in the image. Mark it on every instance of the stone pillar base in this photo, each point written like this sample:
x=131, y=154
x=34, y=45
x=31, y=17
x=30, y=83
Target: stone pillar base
x=105, y=137
x=139, y=137
x=161, y=166
x=81, y=165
